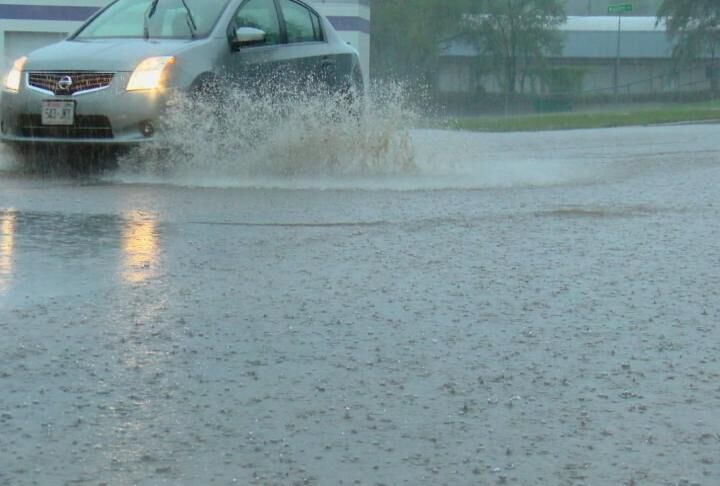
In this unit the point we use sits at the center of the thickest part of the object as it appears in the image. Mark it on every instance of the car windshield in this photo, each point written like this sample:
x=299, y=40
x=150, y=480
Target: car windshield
x=127, y=18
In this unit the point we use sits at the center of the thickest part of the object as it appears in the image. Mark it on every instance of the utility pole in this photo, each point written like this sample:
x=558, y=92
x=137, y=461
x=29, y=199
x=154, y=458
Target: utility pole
x=616, y=74
x=618, y=9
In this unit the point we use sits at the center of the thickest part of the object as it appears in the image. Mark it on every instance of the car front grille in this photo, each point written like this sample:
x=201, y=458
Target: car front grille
x=79, y=81
x=85, y=126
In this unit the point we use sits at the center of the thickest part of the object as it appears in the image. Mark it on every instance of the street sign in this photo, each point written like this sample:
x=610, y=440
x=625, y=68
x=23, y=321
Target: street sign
x=619, y=8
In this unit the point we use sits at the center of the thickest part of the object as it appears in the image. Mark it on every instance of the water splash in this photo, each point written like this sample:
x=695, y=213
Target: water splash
x=251, y=139
x=297, y=141
x=8, y=159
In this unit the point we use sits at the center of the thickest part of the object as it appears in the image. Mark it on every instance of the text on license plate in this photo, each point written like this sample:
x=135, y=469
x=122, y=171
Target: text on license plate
x=56, y=112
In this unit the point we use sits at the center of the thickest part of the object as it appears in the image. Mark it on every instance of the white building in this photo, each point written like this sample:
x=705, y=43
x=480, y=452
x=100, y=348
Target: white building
x=645, y=63
x=28, y=24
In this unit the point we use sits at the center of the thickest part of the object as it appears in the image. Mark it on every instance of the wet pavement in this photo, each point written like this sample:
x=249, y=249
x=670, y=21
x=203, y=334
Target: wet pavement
x=523, y=309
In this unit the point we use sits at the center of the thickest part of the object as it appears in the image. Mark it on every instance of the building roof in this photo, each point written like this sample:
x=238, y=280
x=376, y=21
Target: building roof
x=610, y=24
x=603, y=45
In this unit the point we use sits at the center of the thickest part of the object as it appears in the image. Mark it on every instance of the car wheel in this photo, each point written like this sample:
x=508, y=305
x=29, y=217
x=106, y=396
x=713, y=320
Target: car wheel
x=206, y=89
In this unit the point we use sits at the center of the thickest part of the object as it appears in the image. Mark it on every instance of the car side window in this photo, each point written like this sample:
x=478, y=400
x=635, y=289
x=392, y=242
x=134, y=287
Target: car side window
x=262, y=15
x=301, y=23
x=317, y=27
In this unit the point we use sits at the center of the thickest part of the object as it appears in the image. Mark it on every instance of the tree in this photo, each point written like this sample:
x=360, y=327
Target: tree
x=407, y=36
x=695, y=27
x=516, y=36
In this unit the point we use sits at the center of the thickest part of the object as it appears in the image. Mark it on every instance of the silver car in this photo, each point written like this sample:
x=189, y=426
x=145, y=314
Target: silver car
x=109, y=82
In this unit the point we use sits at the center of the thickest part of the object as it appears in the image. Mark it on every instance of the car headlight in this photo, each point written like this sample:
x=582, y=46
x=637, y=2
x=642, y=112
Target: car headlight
x=12, y=81
x=149, y=74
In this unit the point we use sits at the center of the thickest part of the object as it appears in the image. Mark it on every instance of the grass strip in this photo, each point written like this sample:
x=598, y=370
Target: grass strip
x=602, y=119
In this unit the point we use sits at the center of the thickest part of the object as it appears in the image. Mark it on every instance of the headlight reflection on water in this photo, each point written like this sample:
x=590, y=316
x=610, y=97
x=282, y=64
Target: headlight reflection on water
x=139, y=403
x=139, y=246
x=7, y=248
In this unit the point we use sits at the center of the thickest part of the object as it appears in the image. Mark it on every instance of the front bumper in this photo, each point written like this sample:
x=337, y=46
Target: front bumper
x=124, y=116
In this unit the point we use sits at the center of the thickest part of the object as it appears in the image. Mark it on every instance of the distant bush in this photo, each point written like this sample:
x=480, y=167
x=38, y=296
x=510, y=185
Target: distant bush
x=494, y=103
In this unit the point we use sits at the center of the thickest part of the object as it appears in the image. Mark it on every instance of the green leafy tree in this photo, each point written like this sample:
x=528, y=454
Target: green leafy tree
x=695, y=27
x=408, y=35
x=515, y=37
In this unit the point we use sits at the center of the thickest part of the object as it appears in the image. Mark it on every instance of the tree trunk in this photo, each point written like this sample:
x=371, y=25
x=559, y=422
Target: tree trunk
x=713, y=74
x=510, y=83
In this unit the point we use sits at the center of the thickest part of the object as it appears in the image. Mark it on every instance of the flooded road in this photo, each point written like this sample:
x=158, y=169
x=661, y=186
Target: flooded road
x=516, y=309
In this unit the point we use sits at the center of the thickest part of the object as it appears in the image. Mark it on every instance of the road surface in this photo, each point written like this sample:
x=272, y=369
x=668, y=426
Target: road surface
x=520, y=309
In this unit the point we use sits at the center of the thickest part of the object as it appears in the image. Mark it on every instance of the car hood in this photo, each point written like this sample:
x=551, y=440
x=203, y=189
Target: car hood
x=100, y=54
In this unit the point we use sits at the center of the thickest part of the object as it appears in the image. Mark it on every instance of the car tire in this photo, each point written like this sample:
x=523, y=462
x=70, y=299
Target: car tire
x=206, y=89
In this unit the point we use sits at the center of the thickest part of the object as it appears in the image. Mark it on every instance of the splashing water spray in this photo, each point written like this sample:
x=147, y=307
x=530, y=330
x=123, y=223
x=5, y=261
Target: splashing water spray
x=253, y=136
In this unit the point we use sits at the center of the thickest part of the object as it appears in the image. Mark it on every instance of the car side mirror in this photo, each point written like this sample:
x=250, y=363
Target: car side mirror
x=248, y=36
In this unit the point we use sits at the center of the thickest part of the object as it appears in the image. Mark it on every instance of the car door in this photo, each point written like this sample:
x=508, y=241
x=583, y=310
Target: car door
x=256, y=66
x=312, y=63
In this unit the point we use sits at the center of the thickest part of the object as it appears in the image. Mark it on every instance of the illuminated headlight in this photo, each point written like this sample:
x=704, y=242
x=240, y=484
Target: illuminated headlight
x=149, y=74
x=12, y=81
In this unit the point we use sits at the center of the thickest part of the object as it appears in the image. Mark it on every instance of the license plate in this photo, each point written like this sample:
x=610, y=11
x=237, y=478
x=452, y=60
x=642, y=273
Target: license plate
x=56, y=112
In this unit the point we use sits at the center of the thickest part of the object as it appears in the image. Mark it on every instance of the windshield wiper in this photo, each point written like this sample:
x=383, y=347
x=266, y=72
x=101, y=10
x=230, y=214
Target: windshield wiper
x=148, y=15
x=191, y=20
